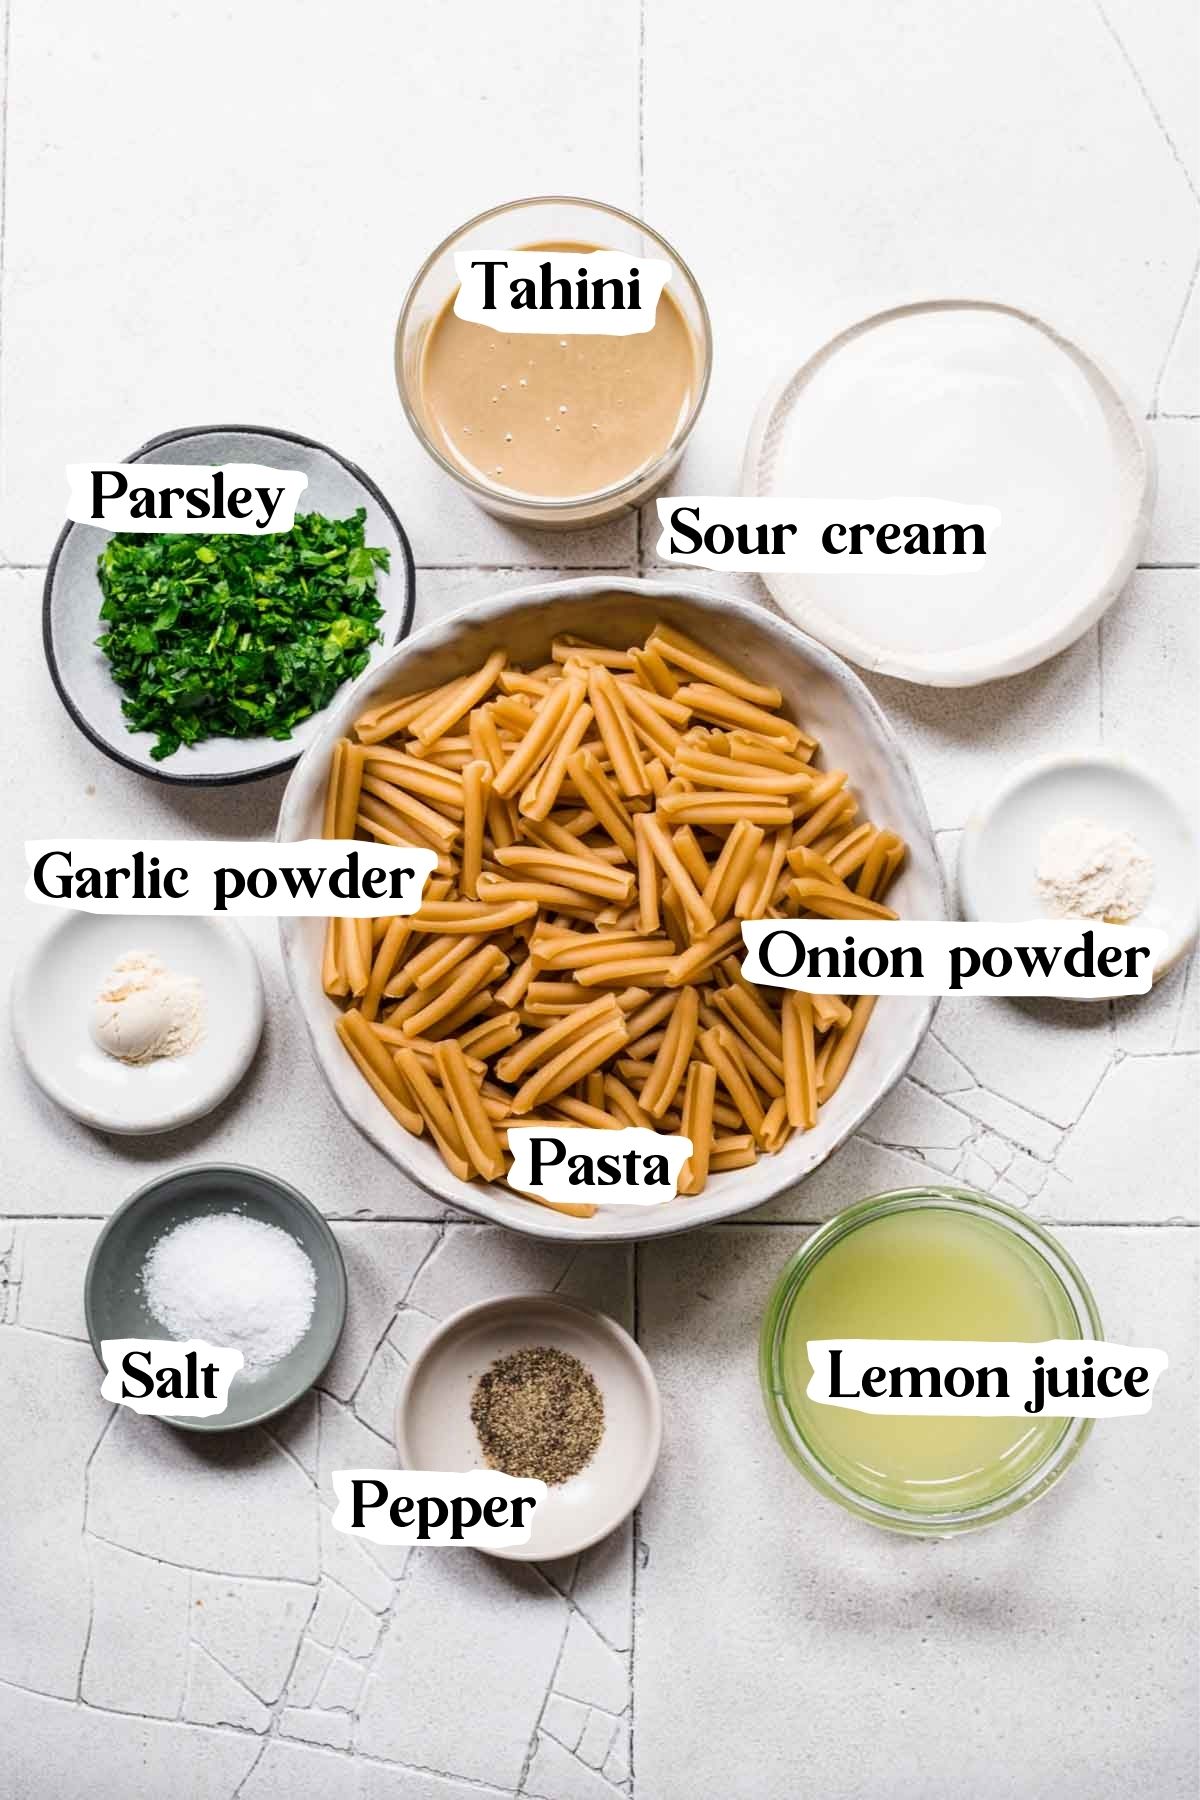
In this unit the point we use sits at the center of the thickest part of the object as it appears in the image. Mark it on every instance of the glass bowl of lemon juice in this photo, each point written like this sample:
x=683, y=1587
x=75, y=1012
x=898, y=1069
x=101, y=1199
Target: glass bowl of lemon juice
x=923, y=1263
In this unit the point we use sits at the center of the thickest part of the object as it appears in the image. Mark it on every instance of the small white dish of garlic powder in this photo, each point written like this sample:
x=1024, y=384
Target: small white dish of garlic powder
x=138, y=1025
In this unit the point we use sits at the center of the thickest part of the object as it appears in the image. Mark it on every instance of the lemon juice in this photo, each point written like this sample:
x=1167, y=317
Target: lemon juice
x=921, y=1265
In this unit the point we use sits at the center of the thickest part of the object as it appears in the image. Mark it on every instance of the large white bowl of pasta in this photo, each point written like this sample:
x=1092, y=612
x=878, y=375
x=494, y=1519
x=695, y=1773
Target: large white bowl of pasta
x=603, y=820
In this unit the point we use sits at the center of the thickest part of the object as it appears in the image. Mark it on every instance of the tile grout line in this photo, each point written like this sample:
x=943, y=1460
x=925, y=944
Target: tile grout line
x=348, y=1757
x=1176, y=333
x=4, y=86
x=609, y=568
x=641, y=105
x=1146, y=96
x=1142, y=88
x=535, y=1734
x=738, y=1223
x=7, y=37
x=639, y=546
x=84, y=1534
x=634, y=1553
x=480, y=568
x=1110, y=1006
x=430, y=1252
x=4, y=64
x=635, y=1530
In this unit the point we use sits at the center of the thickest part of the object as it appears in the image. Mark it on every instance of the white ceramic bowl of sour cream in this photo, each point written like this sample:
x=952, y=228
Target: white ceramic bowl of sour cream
x=975, y=402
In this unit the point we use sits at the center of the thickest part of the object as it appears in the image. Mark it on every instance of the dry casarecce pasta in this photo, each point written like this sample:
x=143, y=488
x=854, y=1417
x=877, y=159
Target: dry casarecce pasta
x=602, y=825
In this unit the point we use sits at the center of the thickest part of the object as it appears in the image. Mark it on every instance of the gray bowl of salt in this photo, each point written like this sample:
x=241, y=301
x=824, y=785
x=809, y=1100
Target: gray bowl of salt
x=115, y=1289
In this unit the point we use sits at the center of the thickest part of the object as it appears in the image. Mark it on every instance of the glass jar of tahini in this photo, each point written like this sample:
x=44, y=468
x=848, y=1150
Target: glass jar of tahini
x=554, y=428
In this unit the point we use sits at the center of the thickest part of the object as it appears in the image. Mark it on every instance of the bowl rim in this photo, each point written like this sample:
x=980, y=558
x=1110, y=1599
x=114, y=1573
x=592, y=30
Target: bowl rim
x=601, y=1324
x=476, y=1198
x=1002, y=656
x=147, y=1194
x=232, y=778
x=241, y=951
x=553, y=506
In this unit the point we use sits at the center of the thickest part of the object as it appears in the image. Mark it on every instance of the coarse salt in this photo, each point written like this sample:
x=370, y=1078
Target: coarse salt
x=233, y=1281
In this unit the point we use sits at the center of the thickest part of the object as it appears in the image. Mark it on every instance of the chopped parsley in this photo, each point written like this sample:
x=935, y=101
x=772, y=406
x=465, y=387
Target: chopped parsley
x=228, y=636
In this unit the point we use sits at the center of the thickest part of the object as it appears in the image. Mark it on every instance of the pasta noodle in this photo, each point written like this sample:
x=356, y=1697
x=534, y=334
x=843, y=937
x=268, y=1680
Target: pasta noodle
x=696, y=1124
x=603, y=823
x=477, y=779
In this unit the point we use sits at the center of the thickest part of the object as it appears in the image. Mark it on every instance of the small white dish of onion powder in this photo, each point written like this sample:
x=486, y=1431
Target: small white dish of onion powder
x=1085, y=834
x=235, y=1257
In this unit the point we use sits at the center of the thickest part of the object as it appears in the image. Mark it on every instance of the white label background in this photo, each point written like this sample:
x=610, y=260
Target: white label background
x=118, y=513
x=802, y=551
x=653, y=274
x=579, y=1140
x=1016, y=1359
x=165, y=1353
x=935, y=939
x=201, y=858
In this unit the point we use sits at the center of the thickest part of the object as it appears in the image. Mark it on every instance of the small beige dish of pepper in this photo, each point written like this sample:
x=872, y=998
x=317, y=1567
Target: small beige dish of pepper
x=538, y=1386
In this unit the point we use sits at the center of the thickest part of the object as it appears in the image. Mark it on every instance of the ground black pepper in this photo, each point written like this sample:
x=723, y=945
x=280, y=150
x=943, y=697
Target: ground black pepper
x=538, y=1414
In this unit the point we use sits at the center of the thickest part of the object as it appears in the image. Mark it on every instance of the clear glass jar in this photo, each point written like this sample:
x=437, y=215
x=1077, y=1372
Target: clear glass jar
x=1074, y=1305
x=548, y=219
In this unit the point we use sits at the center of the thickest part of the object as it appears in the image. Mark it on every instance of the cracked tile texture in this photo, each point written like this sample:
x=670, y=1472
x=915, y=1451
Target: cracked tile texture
x=180, y=1618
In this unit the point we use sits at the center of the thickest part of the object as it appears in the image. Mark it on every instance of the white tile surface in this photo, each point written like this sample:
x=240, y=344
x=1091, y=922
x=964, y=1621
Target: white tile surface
x=863, y=154
x=1175, y=527
x=1146, y=640
x=213, y=213
x=263, y=216
x=53, y=1748
x=137, y=1651
x=215, y=1698
x=962, y=741
x=43, y=1555
x=251, y=1629
x=1179, y=391
x=817, y=1650
x=1144, y=38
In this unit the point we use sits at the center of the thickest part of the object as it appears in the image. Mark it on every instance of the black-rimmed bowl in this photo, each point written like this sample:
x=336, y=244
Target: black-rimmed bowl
x=115, y=1306
x=72, y=599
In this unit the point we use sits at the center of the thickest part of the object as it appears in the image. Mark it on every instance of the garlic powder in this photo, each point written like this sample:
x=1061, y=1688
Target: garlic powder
x=145, y=1011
